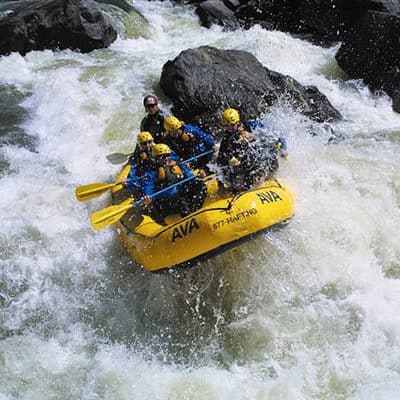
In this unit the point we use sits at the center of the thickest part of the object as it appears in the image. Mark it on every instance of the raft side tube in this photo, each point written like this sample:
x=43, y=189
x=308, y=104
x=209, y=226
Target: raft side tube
x=210, y=229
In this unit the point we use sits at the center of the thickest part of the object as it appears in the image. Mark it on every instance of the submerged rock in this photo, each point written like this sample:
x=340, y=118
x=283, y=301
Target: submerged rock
x=216, y=12
x=202, y=82
x=122, y=4
x=55, y=24
x=12, y=116
x=128, y=21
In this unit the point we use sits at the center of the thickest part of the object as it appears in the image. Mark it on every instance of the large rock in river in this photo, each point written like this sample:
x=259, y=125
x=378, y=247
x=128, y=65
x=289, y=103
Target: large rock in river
x=202, y=82
x=373, y=53
x=324, y=19
x=216, y=12
x=55, y=24
x=369, y=30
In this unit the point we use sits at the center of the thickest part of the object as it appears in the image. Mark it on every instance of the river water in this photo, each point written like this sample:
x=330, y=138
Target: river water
x=309, y=311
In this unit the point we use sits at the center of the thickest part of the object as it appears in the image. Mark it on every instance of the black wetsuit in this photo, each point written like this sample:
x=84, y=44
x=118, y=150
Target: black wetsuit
x=236, y=145
x=154, y=123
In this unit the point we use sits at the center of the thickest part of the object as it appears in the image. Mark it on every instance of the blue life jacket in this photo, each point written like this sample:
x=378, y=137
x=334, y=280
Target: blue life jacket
x=154, y=182
x=192, y=142
x=134, y=181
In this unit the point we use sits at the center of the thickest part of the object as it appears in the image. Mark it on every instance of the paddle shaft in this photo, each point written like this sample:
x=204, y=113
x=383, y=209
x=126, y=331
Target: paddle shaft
x=206, y=153
x=93, y=190
x=138, y=202
x=108, y=216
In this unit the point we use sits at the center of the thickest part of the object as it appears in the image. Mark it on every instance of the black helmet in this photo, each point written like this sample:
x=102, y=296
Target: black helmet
x=150, y=100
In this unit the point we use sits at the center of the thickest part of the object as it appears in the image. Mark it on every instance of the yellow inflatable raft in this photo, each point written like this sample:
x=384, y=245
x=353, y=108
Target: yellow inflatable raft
x=223, y=222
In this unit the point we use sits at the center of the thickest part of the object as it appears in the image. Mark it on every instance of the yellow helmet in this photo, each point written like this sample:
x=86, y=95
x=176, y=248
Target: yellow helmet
x=144, y=137
x=172, y=123
x=230, y=116
x=160, y=149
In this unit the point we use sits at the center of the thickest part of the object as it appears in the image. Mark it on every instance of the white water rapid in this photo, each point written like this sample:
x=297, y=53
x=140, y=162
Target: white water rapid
x=309, y=311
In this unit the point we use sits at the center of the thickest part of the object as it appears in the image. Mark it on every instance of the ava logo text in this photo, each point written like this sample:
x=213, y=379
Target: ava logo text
x=184, y=229
x=269, y=197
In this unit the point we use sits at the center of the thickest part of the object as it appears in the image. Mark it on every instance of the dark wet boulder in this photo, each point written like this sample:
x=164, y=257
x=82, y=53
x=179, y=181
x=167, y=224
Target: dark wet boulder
x=55, y=24
x=373, y=54
x=216, y=12
x=326, y=20
x=272, y=14
x=389, y=6
x=369, y=30
x=329, y=20
x=202, y=82
x=337, y=19
x=232, y=4
x=307, y=99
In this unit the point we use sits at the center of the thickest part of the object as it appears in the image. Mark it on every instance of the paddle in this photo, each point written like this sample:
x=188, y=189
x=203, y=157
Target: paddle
x=118, y=158
x=196, y=157
x=108, y=216
x=93, y=190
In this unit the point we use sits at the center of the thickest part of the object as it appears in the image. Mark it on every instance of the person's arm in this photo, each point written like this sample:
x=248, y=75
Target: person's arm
x=254, y=124
x=282, y=142
x=226, y=157
x=207, y=138
x=245, y=134
x=175, y=150
x=149, y=181
x=132, y=181
x=173, y=156
x=186, y=171
x=201, y=135
x=143, y=123
x=133, y=159
x=282, y=147
x=162, y=114
x=223, y=157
